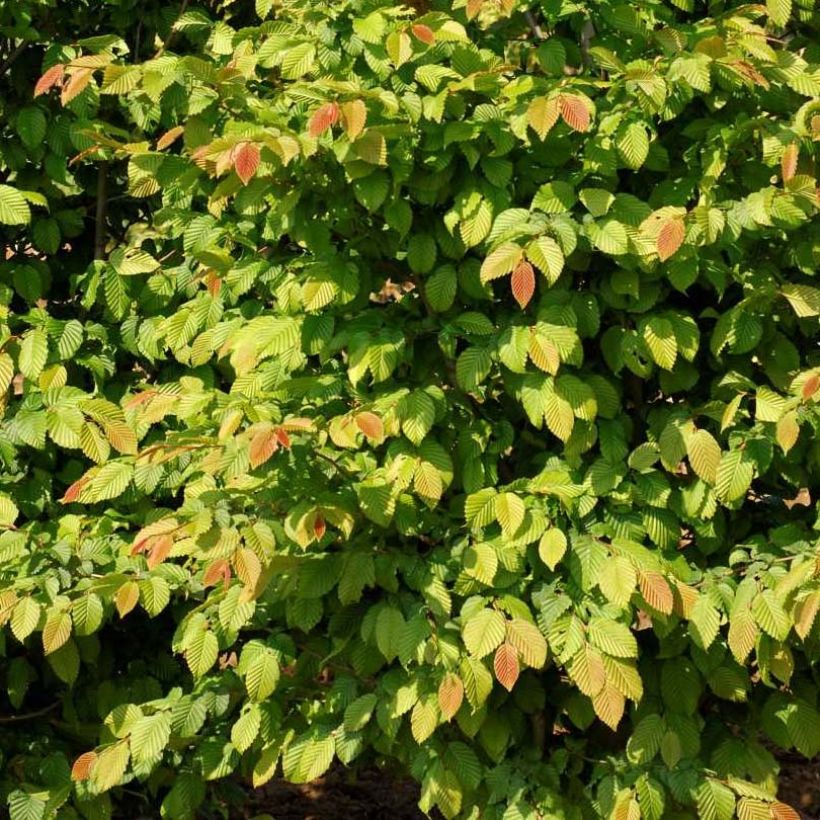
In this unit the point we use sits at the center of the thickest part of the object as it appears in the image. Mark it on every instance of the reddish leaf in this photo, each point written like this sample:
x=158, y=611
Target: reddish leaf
x=810, y=386
x=246, y=161
x=523, y=283
x=326, y=116
x=81, y=770
x=53, y=76
x=450, y=695
x=213, y=283
x=782, y=811
x=574, y=112
x=159, y=550
x=219, y=570
x=423, y=33
x=140, y=398
x=656, y=591
x=76, y=85
x=319, y=527
x=371, y=425
x=283, y=438
x=788, y=162
x=670, y=238
x=73, y=492
x=169, y=137
x=473, y=8
x=506, y=665
x=263, y=445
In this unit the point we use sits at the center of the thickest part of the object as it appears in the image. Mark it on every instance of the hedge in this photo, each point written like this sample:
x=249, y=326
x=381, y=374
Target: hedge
x=433, y=386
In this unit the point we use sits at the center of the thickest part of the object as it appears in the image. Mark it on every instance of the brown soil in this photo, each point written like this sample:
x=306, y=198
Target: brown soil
x=369, y=795
x=800, y=784
x=374, y=795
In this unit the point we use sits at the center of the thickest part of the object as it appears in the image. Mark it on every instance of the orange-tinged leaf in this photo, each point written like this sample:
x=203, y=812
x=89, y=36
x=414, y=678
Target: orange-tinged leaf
x=543, y=353
x=670, y=238
x=213, y=283
x=263, y=445
x=473, y=8
x=169, y=137
x=126, y=597
x=423, y=33
x=523, y=283
x=542, y=114
x=319, y=527
x=354, y=116
x=685, y=597
x=122, y=437
x=656, y=591
x=73, y=492
x=76, y=84
x=139, y=399
x=81, y=770
x=788, y=162
x=574, y=112
x=325, y=116
x=283, y=438
x=219, y=570
x=144, y=538
x=505, y=664
x=248, y=566
x=246, y=161
x=51, y=77
x=159, y=550
x=450, y=695
x=371, y=425
x=810, y=386
x=782, y=811
x=609, y=705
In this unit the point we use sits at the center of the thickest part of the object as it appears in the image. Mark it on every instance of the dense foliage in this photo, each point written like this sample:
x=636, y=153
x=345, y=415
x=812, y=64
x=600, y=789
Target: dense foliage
x=432, y=384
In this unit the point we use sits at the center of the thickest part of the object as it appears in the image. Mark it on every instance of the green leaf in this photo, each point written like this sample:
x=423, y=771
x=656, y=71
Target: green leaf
x=262, y=675
x=500, y=262
x=734, y=476
x=149, y=737
x=33, y=353
x=483, y=632
x=780, y=11
x=201, y=652
x=14, y=209
x=613, y=638
x=472, y=367
x=528, y=640
x=309, y=756
x=552, y=547
x=704, y=455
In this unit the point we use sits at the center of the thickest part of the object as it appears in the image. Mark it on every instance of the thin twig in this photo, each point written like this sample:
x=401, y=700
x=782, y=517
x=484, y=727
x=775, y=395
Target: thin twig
x=182, y=6
x=100, y=237
x=536, y=29
x=31, y=715
x=587, y=33
x=12, y=57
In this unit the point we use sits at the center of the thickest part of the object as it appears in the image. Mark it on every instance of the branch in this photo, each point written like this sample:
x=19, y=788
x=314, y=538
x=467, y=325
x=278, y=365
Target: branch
x=536, y=29
x=182, y=6
x=102, y=210
x=6, y=64
x=587, y=33
x=31, y=715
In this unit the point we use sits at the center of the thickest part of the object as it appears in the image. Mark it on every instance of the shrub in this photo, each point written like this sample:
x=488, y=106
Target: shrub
x=433, y=384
